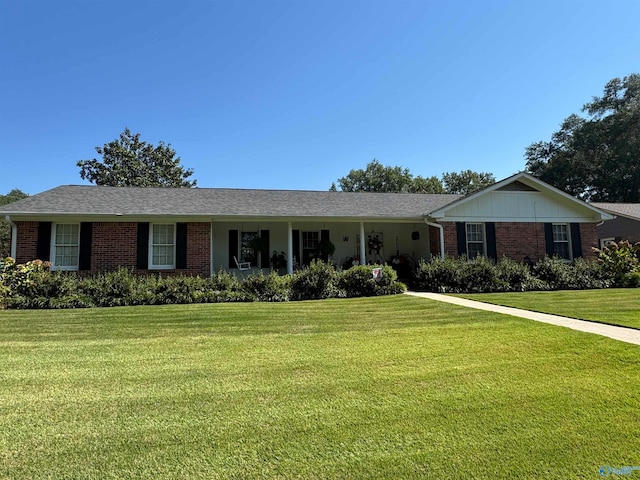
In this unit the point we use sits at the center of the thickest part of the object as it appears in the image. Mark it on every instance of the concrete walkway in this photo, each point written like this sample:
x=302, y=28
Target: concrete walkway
x=623, y=334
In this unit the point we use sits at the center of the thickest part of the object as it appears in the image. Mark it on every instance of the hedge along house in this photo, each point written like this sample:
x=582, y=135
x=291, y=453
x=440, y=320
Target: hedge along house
x=199, y=231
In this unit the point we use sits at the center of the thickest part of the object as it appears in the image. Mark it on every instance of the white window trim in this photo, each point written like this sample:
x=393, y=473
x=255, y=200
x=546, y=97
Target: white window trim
x=152, y=266
x=568, y=242
x=65, y=268
x=484, y=237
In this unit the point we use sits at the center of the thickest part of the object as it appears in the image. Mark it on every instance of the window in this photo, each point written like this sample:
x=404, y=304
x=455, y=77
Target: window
x=247, y=243
x=162, y=242
x=310, y=241
x=475, y=240
x=561, y=244
x=66, y=246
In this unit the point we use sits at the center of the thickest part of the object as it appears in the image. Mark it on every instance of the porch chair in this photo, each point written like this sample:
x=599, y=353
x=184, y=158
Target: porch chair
x=242, y=265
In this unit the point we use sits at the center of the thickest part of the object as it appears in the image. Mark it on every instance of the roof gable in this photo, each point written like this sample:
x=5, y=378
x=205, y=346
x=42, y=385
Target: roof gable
x=520, y=198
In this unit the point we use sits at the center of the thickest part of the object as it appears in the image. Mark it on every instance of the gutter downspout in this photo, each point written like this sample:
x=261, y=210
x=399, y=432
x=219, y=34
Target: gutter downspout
x=14, y=236
x=441, y=228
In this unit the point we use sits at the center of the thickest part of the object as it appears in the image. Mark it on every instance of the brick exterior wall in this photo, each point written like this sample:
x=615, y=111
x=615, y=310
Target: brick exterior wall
x=114, y=244
x=450, y=239
x=198, y=249
x=27, y=241
x=589, y=236
x=521, y=240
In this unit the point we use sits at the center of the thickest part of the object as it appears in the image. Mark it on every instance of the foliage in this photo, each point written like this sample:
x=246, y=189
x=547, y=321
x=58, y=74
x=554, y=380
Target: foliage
x=119, y=288
x=5, y=228
x=376, y=177
x=130, y=162
x=595, y=158
x=456, y=275
x=278, y=260
x=267, y=288
x=467, y=181
x=481, y=275
x=318, y=280
x=359, y=281
x=516, y=276
x=621, y=262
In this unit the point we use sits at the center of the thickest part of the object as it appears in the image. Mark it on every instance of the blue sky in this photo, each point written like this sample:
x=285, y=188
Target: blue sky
x=294, y=94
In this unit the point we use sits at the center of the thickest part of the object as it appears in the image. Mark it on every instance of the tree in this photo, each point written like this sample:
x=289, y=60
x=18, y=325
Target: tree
x=596, y=158
x=467, y=181
x=5, y=228
x=379, y=178
x=130, y=162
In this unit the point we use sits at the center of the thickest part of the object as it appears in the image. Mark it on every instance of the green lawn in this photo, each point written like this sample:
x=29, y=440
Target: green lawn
x=616, y=306
x=393, y=387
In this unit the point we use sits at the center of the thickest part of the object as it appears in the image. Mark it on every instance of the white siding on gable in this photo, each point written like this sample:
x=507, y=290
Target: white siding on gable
x=511, y=206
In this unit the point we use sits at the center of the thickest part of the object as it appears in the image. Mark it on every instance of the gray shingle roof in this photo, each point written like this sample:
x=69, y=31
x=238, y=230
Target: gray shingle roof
x=223, y=202
x=626, y=209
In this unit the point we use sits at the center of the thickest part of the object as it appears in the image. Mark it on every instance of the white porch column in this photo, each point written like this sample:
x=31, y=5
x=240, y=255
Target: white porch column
x=289, y=248
x=212, y=267
x=363, y=251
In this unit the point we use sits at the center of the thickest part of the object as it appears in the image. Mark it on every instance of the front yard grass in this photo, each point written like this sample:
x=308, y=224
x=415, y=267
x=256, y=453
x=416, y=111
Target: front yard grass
x=615, y=306
x=391, y=387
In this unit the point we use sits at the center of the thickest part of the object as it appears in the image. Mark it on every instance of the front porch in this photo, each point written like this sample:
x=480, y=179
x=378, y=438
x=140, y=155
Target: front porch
x=286, y=246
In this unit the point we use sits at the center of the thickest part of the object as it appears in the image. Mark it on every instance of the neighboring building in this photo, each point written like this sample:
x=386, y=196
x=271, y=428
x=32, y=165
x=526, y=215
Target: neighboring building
x=626, y=225
x=199, y=230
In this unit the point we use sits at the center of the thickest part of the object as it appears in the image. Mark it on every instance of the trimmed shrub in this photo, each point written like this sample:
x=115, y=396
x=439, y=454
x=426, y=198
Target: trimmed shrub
x=480, y=275
x=516, y=276
x=359, y=281
x=439, y=275
x=555, y=272
x=223, y=281
x=120, y=288
x=267, y=288
x=317, y=281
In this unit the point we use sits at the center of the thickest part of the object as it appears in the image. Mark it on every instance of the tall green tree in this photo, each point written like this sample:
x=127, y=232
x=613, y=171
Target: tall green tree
x=130, y=162
x=379, y=178
x=597, y=156
x=5, y=229
x=467, y=181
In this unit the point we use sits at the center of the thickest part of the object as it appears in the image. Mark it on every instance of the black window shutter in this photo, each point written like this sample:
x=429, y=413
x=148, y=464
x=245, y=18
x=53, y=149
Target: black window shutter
x=43, y=248
x=461, y=230
x=233, y=248
x=265, y=259
x=576, y=241
x=490, y=230
x=296, y=246
x=181, y=245
x=548, y=239
x=143, y=246
x=86, y=235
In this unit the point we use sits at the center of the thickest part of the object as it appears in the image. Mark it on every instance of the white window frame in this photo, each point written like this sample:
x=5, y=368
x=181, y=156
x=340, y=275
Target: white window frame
x=476, y=242
x=153, y=266
x=567, y=241
x=55, y=246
